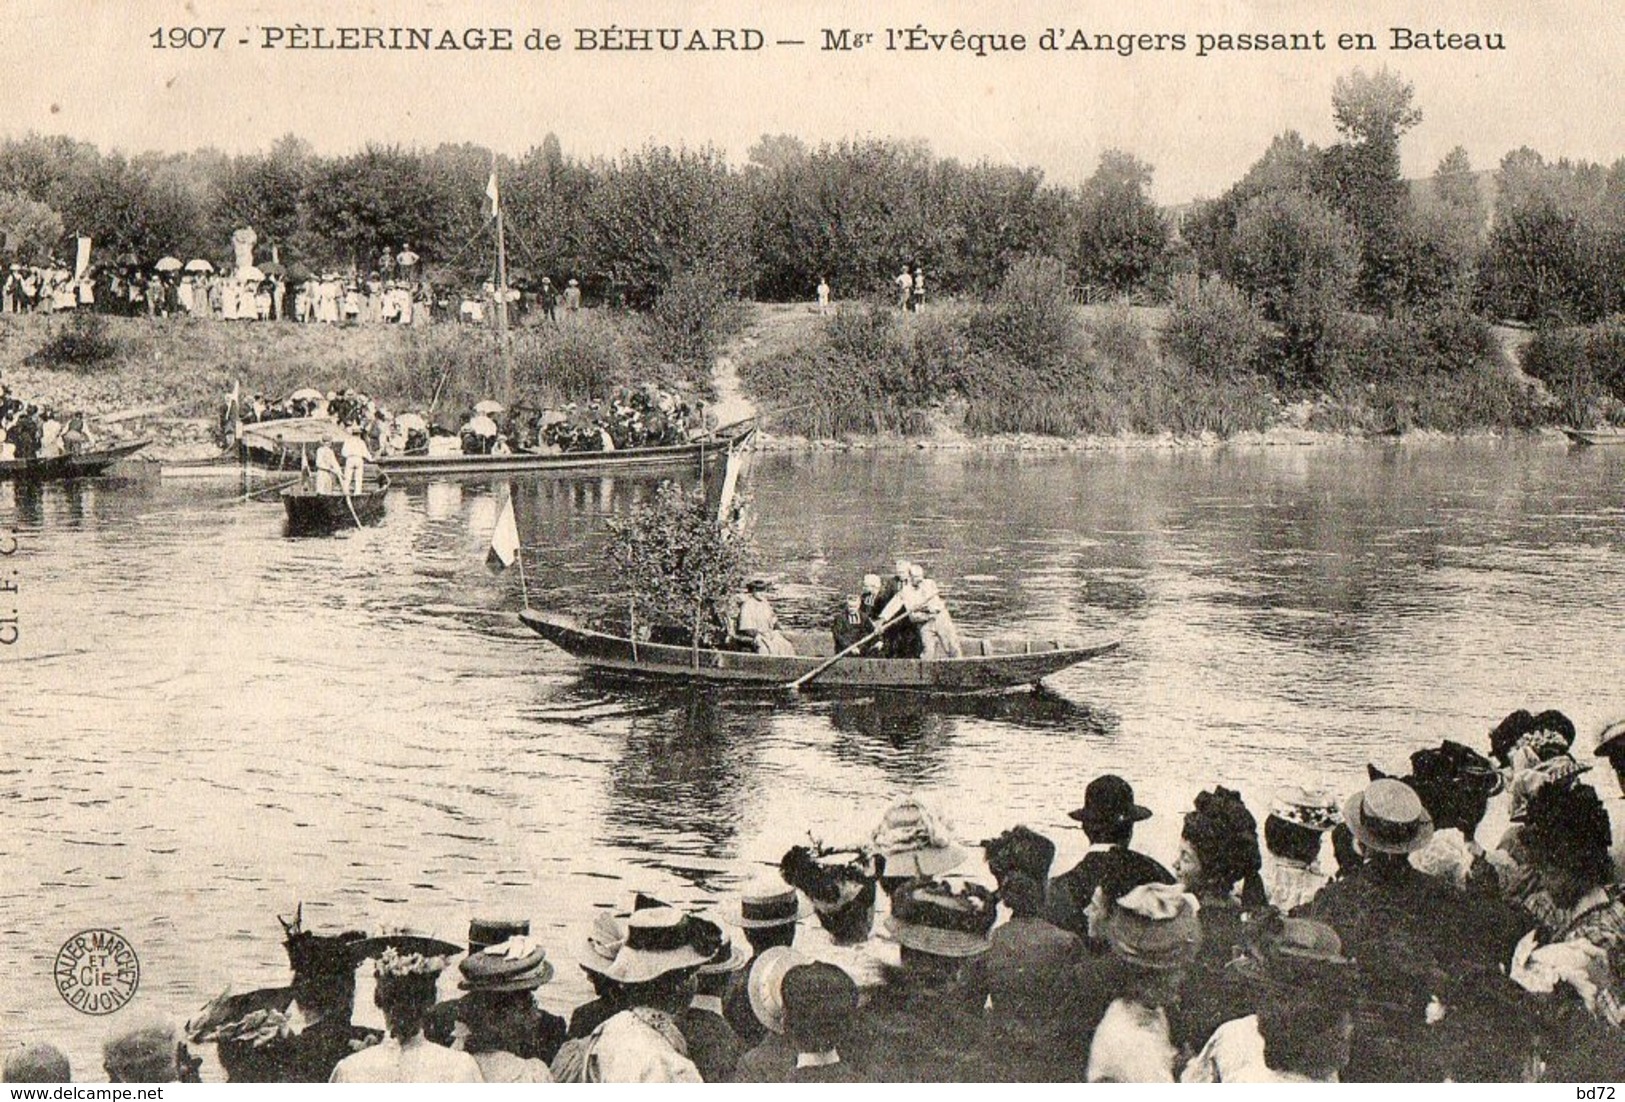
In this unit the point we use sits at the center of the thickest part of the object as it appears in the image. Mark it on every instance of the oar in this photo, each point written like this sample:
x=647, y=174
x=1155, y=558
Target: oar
x=270, y=489
x=345, y=489
x=867, y=639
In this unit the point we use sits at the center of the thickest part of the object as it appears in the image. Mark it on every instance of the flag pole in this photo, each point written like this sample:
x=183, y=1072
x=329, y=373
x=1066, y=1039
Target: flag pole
x=502, y=288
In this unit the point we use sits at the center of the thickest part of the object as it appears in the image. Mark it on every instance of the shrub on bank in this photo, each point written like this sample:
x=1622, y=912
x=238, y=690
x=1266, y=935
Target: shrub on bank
x=84, y=344
x=689, y=322
x=1583, y=367
x=1212, y=328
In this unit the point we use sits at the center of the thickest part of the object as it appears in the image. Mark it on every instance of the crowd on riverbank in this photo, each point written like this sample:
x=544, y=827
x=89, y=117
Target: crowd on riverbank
x=1370, y=937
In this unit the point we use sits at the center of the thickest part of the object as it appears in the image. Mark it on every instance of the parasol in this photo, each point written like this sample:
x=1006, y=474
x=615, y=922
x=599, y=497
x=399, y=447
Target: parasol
x=199, y=265
x=307, y=394
x=489, y=406
x=250, y=274
x=168, y=264
x=482, y=426
x=412, y=421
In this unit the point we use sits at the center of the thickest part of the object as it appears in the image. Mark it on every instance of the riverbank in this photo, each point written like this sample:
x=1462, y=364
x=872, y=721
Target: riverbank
x=174, y=373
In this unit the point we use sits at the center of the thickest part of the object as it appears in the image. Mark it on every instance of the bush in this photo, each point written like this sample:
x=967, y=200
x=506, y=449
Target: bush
x=83, y=345
x=1212, y=328
x=1582, y=366
x=677, y=562
x=690, y=320
x=1031, y=320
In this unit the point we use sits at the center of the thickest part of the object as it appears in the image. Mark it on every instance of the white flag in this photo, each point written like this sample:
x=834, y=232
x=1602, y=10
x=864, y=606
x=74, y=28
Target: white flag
x=491, y=191
x=504, y=539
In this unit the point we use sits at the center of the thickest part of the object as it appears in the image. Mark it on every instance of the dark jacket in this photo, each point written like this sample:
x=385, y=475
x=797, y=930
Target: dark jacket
x=533, y=1035
x=309, y=1057
x=1069, y=895
x=774, y=1061
x=712, y=1044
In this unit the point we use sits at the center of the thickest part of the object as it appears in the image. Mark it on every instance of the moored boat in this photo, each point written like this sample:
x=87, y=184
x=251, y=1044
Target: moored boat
x=77, y=465
x=989, y=664
x=1595, y=437
x=313, y=512
x=702, y=452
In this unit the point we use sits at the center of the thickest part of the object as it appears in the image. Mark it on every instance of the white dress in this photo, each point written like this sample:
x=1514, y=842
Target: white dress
x=414, y=1061
x=1131, y=1045
x=1235, y=1054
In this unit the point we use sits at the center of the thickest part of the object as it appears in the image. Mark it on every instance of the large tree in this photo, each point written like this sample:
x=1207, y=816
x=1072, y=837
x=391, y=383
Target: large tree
x=1120, y=232
x=29, y=230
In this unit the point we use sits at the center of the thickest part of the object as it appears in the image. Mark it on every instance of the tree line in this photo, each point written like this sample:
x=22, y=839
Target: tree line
x=1306, y=235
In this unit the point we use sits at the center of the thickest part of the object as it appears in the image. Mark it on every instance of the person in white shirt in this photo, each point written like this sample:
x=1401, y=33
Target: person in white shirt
x=356, y=456
x=1294, y=835
x=1153, y=930
x=405, y=992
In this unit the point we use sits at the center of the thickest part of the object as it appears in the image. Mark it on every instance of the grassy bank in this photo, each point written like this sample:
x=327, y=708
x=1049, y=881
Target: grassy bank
x=1027, y=365
x=105, y=365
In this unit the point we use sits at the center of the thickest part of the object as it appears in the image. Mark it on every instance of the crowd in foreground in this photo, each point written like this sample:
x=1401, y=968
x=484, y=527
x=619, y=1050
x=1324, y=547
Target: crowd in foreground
x=1411, y=951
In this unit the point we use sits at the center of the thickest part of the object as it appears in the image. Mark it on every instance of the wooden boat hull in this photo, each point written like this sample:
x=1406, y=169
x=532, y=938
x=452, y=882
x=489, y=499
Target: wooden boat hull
x=695, y=454
x=82, y=465
x=990, y=665
x=312, y=513
x=1595, y=437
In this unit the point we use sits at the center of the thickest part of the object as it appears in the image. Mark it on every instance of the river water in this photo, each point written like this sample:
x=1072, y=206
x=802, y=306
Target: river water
x=207, y=722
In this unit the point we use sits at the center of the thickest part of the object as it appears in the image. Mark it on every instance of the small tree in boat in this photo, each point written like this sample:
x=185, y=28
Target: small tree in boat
x=679, y=564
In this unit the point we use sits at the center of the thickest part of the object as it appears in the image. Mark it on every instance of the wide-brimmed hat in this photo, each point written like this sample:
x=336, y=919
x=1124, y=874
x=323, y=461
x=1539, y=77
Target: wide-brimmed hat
x=1284, y=951
x=730, y=957
x=405, y=943
x=1611, y=743
x=1108, y=802
x=1154, y=926
x=758, y=585
x=1388, y=817
x=661, y=940
x=1454, y=765
x=1549, y=733
x=517, y=964
x=1312, y=809
x=767, y=903
x=1561, y=770
x=603, y=941
x=934, y=917
x=765, y=987
x=313, y=954
x=915, y=842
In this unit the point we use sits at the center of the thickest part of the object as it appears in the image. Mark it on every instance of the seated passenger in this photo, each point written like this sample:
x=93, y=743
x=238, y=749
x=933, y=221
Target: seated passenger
x=852, y=626
x=755, y=625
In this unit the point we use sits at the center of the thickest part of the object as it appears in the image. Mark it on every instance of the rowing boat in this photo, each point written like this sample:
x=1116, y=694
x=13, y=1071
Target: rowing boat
x=311, y=512
x=78, y=465
x=989, y=665
x=1595, y=437
x=699, y=453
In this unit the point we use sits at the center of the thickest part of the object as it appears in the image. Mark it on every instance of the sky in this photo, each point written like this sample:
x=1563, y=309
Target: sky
x=89, y=69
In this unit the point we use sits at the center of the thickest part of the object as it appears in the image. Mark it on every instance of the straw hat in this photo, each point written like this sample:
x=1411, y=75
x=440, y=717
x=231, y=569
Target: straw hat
x=932, y=917
x=765, y=986
x=767, y=903
x=731, y=957
x=660, y=940
x=1388, y=817
x=915, y=841
x=486, y=932
x=1311, y=809
x=1154, y=926
x=518, y=964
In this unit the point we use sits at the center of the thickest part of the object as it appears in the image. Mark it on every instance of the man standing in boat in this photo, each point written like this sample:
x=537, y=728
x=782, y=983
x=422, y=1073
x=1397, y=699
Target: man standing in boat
x=927, y=612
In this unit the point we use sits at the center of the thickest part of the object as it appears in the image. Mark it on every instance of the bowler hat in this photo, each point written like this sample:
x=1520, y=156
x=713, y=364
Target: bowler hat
x=1388, y=817
x=1108, y=802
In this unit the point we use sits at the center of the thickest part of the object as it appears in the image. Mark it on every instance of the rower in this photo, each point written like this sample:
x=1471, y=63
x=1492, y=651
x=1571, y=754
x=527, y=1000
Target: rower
x=927, y=612
x=355, y=463
x=329, y=473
